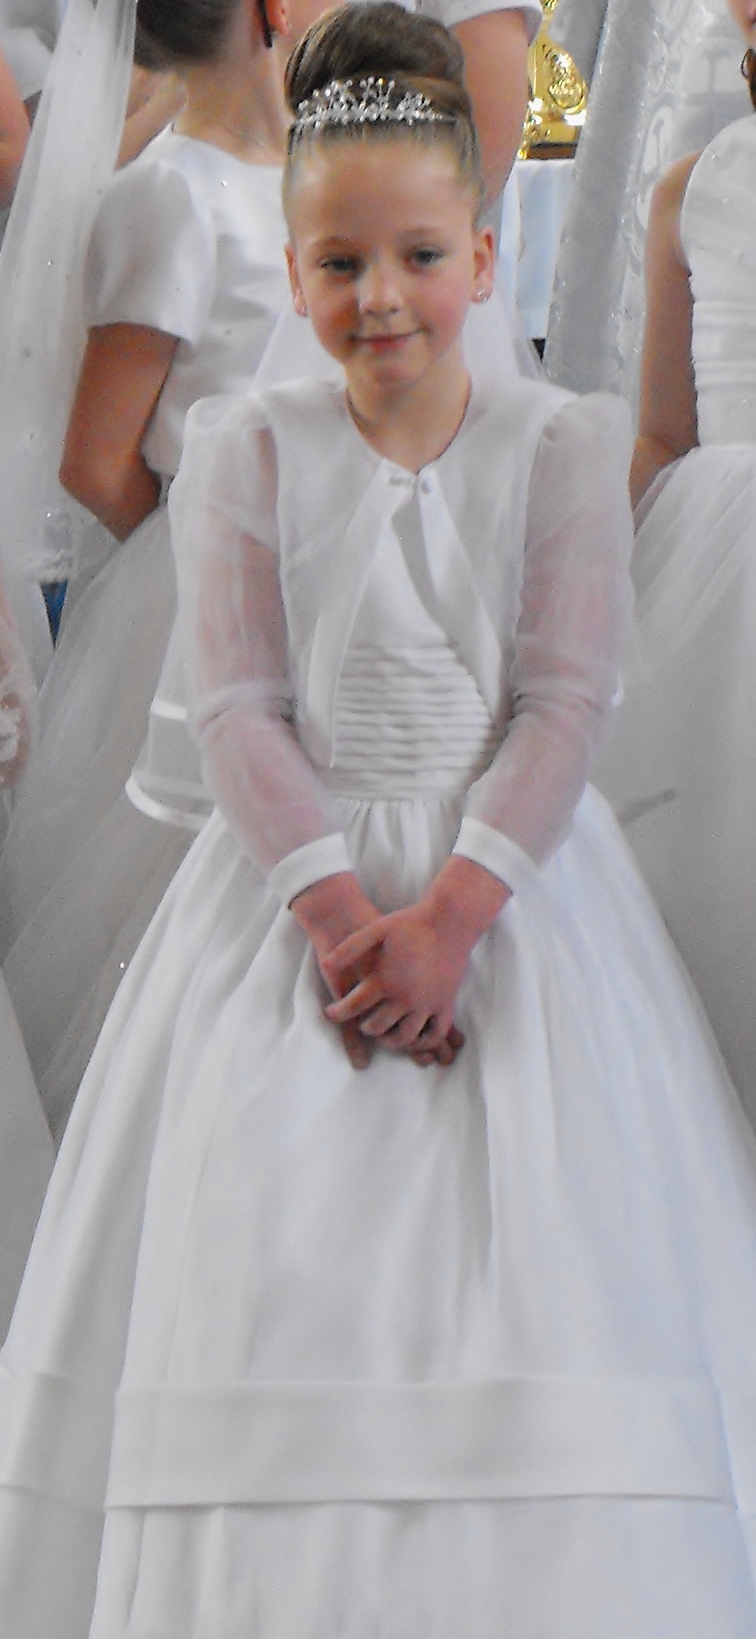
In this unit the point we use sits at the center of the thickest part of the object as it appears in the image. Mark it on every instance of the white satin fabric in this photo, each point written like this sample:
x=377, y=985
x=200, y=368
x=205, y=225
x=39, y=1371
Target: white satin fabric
x=189, y=240
x=303, y=1351
x=680, y=769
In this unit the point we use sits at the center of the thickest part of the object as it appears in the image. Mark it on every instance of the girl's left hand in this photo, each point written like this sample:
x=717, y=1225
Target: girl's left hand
x=416, y=960
x=408, y=996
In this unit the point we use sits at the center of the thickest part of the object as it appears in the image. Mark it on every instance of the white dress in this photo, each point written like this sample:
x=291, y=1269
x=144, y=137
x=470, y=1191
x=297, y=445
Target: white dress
x=681, y=768
x=405, y=1354
x=26, y=1151
x=83, y=871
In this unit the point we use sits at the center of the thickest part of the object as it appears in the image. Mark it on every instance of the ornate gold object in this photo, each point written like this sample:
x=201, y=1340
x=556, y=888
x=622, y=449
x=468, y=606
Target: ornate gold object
x=558, y=98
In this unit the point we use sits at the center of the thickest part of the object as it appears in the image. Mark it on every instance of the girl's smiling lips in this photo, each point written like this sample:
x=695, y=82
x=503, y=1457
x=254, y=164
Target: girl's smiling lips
x=386, y=342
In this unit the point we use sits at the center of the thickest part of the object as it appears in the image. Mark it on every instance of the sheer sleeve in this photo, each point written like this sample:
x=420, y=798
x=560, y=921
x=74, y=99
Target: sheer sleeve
x=223, y=520
x=575, y=599
x=152, y=255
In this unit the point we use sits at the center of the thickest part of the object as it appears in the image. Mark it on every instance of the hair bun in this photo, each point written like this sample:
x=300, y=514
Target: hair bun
x=373, y=37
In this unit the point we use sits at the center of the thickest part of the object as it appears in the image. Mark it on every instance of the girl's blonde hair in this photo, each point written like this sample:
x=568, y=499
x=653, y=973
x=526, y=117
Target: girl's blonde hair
x=382, y=41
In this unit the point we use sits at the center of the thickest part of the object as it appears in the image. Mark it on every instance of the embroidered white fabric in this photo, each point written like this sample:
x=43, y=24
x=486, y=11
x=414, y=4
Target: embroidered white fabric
x=665, y=80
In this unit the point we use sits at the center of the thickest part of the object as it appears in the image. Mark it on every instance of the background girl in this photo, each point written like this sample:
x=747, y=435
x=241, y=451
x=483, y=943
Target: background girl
x=681, y=768
x=184, y=280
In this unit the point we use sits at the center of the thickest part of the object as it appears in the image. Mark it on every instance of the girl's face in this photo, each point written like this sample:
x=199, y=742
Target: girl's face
x=385, y=258
x=744, y=13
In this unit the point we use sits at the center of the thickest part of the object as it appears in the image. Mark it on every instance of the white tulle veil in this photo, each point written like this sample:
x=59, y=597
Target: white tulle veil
x=71, y=155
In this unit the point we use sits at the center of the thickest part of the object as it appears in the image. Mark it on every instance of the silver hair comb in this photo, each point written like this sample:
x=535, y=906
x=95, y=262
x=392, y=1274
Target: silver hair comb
x=375, y=101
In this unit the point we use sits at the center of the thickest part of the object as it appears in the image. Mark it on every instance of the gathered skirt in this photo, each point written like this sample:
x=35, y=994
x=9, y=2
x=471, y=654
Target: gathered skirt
x=307, y=1353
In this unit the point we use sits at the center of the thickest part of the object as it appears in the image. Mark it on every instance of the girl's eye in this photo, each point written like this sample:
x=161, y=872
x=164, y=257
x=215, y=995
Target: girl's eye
x=342, y=266
x=426, y=256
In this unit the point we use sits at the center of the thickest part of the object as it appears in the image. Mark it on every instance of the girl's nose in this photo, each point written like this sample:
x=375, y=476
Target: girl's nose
x=379, y=290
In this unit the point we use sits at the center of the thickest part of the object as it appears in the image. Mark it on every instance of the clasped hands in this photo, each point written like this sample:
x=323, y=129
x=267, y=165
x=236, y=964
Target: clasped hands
x=394, y=978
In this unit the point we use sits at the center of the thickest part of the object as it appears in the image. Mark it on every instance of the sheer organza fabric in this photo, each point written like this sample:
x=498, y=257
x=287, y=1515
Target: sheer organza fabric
x=238, y=502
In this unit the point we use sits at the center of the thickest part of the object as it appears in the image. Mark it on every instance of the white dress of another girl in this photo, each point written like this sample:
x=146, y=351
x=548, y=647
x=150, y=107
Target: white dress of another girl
x=303, y=1352
x=682, y=770
x=190, y=241
x=26, y=1151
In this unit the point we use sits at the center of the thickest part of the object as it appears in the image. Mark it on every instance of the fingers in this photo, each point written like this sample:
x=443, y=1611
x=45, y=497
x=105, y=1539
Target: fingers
x=355, y=946
x=359, y=1051
x=391, y=1018
x=365, y=996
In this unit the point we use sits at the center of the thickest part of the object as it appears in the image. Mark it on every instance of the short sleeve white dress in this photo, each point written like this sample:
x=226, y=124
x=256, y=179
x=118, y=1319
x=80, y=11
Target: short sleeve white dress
x=305, y=1352
x=681, y=769
x=190, y=241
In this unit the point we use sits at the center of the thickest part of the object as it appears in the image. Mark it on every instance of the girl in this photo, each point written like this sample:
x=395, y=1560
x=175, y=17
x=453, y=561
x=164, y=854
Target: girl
x=681, y=767
x=184, y=281
x=460, y=1341
x=189, y=313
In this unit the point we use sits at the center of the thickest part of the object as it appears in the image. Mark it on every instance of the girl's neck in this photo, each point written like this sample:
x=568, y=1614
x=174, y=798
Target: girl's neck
x=236, y=104
x=416, y=426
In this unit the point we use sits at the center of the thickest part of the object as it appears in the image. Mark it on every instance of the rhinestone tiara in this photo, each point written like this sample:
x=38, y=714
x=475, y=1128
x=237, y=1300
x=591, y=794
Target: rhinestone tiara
x=375, y=101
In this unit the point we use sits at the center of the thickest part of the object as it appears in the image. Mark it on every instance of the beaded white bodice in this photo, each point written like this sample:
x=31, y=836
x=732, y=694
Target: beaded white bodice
x=719, y=239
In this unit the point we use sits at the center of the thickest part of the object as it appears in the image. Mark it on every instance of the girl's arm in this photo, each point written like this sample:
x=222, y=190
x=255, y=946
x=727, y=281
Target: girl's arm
x=495, y=45
x=223, y=519
x=14, y=133
x=667, y=426
x=122, y=377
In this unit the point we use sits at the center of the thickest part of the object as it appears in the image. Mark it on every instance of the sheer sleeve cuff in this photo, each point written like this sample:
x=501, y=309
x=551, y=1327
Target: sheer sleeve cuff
x=496, y=853
x=326, y=857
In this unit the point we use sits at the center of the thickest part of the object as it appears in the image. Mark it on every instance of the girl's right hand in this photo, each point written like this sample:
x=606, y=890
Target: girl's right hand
x=329, y=912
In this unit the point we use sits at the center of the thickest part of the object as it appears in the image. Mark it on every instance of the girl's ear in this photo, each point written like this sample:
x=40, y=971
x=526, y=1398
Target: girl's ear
x=484, y=264
x=300, y=305
x=279, y=17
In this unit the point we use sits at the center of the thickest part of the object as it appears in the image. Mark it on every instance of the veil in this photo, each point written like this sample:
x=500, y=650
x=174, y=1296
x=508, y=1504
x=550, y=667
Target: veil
x=70, y=157
x=643, y=92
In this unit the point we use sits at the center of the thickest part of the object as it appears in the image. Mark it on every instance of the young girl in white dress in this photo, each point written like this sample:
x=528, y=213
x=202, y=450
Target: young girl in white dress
x=681, y=769
x=184, y=281
x=428, y=1311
